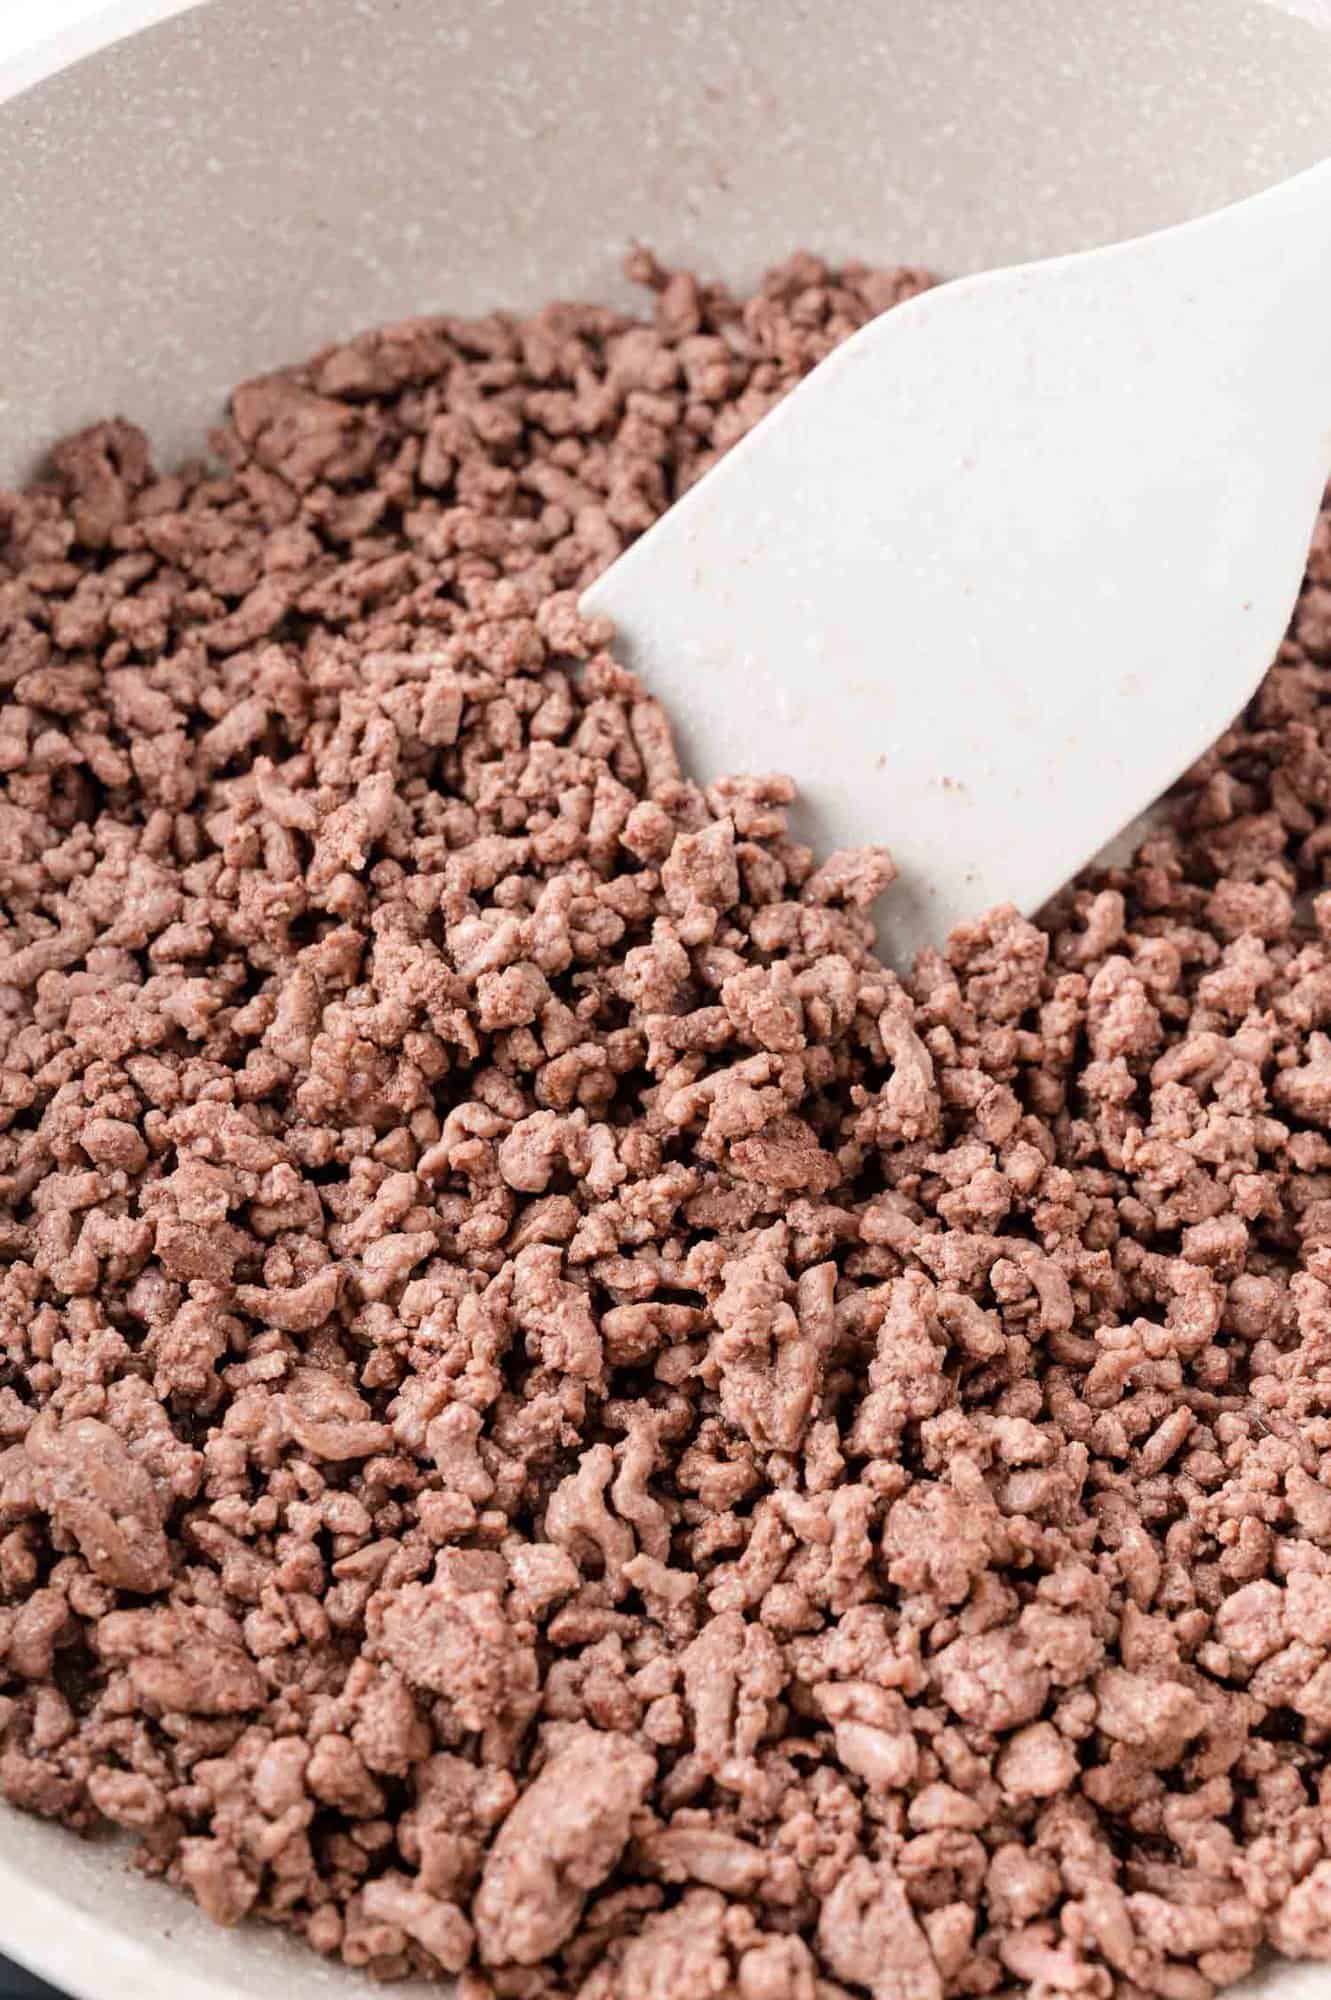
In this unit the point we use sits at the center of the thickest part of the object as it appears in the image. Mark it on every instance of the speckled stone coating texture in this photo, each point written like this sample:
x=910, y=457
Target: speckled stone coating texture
x=359, y=163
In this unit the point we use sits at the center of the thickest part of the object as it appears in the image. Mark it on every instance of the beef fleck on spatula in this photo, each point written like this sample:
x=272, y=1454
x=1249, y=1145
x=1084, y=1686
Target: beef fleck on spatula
x=1007, y=561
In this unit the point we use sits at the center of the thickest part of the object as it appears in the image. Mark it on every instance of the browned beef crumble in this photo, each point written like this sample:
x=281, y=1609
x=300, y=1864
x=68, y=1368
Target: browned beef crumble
x=558, y=1422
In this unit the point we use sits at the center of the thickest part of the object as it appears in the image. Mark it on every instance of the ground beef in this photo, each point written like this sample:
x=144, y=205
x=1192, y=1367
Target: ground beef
x=559, y=1423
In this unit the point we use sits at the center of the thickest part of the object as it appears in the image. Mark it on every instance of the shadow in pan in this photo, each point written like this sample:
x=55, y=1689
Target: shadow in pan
x=15, y=1984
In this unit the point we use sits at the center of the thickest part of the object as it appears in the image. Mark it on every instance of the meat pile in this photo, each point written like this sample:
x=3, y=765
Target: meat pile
x=558, y=1422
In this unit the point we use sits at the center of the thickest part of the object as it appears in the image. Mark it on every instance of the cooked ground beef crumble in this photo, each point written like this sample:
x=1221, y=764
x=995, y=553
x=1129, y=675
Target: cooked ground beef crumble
x=559, y=1422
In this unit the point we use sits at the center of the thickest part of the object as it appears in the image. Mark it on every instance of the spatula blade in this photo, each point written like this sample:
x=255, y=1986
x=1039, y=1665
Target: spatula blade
x=1007, y=562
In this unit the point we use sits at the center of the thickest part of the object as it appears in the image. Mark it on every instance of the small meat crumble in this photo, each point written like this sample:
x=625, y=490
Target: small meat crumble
x=558, y=1422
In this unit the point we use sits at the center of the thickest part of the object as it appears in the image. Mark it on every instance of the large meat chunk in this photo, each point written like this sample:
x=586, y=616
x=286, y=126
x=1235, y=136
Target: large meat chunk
x=559, y=1843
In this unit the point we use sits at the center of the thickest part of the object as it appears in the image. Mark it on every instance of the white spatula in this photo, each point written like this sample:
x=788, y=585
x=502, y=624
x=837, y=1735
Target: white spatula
x=1009, y=560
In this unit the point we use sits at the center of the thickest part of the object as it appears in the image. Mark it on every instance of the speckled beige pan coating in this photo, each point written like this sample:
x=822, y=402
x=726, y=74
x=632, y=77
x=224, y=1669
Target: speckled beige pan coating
x=250, y=179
